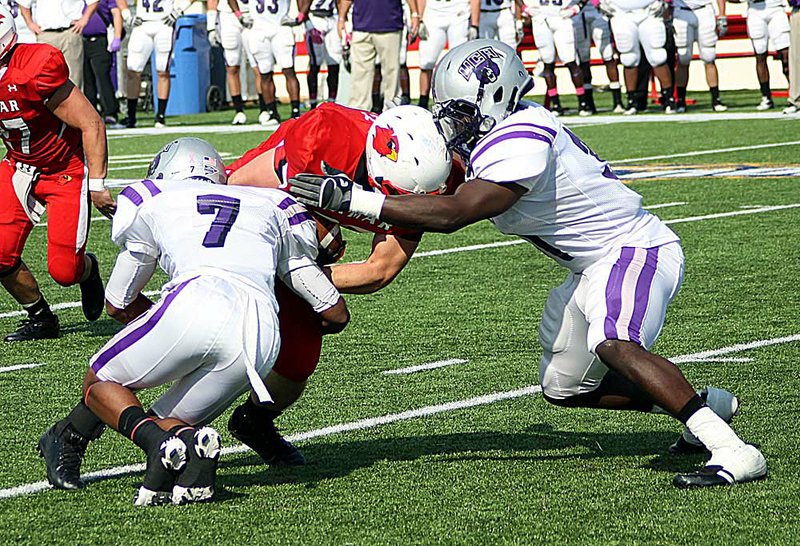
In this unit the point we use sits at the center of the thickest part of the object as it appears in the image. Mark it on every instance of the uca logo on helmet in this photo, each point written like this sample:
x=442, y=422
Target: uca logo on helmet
x=481, y=64
x=385, y=142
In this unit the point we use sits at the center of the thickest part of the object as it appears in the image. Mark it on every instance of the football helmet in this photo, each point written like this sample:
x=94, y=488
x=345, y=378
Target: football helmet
x=475, y=86
x=8, y=31
x=406, y=153
x=188, y=158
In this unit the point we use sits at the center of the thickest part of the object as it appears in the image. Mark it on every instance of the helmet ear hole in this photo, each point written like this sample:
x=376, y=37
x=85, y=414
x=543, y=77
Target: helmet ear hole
x=498, y=95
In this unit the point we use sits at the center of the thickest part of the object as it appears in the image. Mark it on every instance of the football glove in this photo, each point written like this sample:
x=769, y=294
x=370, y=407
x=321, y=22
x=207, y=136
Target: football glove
x=327, y=191
x=213, y=38
x=657, y=8
x=722, y=26
x=606, y=8
x=172, y=17
x=473, y=32
x=246, y=20
x=289, y=21
x=570, y=11
x=423, y=31
x=115, y=45
x=518, y=26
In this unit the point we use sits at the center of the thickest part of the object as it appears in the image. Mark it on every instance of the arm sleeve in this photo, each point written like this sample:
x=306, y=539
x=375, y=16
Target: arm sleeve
x=130, y=231
x=520, y=161
x=53, y=74
x=129, y=277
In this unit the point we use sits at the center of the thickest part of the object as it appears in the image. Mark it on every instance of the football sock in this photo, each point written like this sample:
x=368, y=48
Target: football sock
x=162, y=107
x=666, y=95
x=376, y=102
x=238, y=103
x=552, y=92
x=616, y=93
x=681, y=94
x=714, y=94
x=38, y=310
x=141, y=429
x=295, y=106
x=765, y=90
x=712, y=430
x=132, y=104
x=261, y=104
x=83, y=421
x=423, y=101
x=272, y=108
x=333, y=81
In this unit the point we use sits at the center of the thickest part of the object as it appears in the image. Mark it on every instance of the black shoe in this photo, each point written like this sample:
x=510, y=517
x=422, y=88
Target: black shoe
x=63, y=454
x=555, y=106
x=32, y=329
x=295, y=113
x=92, y=292
x=196, y=481
x=128, y=122
x=262, y=436
x=163, y=465
x=682, y=447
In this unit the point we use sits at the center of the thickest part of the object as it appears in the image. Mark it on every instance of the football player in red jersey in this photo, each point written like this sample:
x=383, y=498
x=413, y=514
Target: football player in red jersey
x=401, y=151
x=56, y=160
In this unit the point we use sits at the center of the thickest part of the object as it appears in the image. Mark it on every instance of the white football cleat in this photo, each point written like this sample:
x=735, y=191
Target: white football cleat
x=239, y=119
x=727, y=466
x=267, y=121
x=765, y=104
x=723, y=403
x=791, y=109
x=619, y=109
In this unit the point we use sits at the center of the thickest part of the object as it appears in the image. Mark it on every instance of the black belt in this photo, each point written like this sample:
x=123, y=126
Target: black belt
x=322, y=12
x=56, y=29
x=492, y=10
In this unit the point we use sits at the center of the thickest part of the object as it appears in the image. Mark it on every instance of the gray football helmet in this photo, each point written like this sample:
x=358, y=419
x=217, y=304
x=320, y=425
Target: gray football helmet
x=475, y=86
x=188, y=158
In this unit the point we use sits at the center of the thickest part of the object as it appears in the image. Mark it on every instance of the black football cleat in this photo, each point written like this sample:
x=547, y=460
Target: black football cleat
x=32, y=329
x=196, y=481
x=92, y=292
x=63, y=454
x=727, y=467
x=262, y=436
x=163, y=464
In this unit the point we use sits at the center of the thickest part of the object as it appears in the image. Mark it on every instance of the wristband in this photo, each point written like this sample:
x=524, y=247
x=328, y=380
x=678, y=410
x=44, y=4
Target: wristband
x=126, y=14
x=211, y=20
x=97, y=184
x=367, y=203
x=301, y=17
x=238, y=14
x=415, y=14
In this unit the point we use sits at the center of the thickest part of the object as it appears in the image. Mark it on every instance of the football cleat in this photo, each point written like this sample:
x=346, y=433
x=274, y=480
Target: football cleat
x=239, y=119
x=159, y=477
x=196, y=482
x=723, y=403
x=32, y=329
x=765, y=104
x=92, y=292
x=619, y=109
x=268, y=120
x=719, y=106
x=262, y=436
x=585, y=112
x=791, y=109
x=680, y=107
x=128, y=122
x=726, y=467
x=63, y=454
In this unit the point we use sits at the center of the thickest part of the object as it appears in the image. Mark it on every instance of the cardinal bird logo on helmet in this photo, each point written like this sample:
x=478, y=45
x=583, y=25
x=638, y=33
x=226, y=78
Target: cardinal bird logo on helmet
x=385, y=143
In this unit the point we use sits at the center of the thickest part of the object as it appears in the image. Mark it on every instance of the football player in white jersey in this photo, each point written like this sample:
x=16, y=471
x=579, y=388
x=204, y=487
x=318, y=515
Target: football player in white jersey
x=324, y=46
x=153, y=27
x=501, y=20
x=637, y=25
x=443, y=22
x=271, y=43
x=695, y=21
x=532, y=177
x=554, y=34
x=214, y=333
x=592, y=26
x=767, y=22
x=226, y=29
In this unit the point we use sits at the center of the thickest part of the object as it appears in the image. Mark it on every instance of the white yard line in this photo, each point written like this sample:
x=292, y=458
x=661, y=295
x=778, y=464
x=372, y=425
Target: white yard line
x=425, y=367
x=729, y=214
x=666, y=205
x=21, y=367
x=372, y=422
x=705, y=152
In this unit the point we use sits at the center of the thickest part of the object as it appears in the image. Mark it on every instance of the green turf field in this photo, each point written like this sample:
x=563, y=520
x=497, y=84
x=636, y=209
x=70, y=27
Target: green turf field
x=484, y=459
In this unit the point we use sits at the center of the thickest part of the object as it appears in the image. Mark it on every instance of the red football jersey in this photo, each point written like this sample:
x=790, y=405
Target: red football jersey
x=31, y=132
x=336, y=135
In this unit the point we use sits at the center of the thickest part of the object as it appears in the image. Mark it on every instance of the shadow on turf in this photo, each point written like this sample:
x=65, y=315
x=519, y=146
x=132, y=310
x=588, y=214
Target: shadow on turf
x=535, y=444
x=105, y=327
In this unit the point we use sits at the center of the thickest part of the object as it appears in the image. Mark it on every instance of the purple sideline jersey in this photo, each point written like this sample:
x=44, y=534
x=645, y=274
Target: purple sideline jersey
x=97, y=23
x=378, y=15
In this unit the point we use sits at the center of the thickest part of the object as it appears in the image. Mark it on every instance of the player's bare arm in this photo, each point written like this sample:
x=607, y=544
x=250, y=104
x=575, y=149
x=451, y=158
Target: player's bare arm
x=71, y=106
x=335, y=319
x=259, y=172
x=474, y=13
x=413, y=23
x=389, y=256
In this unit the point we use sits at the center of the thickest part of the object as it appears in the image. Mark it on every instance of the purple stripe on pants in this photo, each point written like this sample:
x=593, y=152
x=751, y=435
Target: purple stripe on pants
x=642, y=295
x=139, y=332
x=286, y=203
x=300, y=217
x=151, y=187
x=614, y=291
x=133, y=195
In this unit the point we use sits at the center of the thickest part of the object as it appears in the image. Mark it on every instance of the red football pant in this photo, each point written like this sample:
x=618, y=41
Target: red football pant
x=66, y=197
x=301, y=335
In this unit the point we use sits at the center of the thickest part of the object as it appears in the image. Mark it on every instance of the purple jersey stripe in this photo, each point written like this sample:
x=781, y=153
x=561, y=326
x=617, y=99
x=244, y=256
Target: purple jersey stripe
x=507, y=136
x=151, y=187
x=299, y=217
x=133, y=195
x=140, y=331
x=642, y=294
x=552, y=132
x=286, y=203
x=614, y=291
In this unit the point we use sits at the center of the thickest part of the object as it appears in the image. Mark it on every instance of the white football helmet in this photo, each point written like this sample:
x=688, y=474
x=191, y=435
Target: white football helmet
x=188, y=158
x=406, y=153
x=8, y=31
x=475, y=86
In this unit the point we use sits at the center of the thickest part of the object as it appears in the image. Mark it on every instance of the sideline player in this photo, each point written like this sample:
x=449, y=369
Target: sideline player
x=536, y=179
x=153, y=27
x=56, y=160
x=396, y=152
x=501, y=20
x=592, y=26
x=443, y=21
x=213, y=334
x=271, y=42
x=639, y=25
x=229, y=31
x=324, y=47
x=553, y=33
x=767, y=22
x=695, y=21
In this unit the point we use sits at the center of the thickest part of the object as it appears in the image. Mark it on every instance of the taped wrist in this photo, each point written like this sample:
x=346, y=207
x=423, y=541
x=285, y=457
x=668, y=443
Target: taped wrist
x=367, y=203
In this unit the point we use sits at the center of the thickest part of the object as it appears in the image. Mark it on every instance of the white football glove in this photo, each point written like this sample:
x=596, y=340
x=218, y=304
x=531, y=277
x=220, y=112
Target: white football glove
x=570, y=11
x=520, y=28
x=423, y=31
x=172, y=17
x=213, y=38
x=657, y=8
x=722, y=26
x=246, y=20
x=473, y=32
